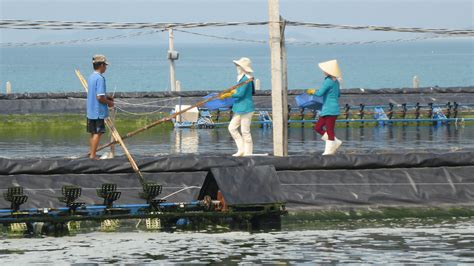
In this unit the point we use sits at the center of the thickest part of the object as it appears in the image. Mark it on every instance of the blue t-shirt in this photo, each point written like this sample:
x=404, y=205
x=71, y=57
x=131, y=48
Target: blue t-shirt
x=95, y=109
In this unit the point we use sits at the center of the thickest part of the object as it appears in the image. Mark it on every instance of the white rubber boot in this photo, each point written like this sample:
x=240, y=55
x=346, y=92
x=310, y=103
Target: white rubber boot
x=338, y=141
x=324, y=137
x=248, y=148
x=338, y=144
x=240, y=148
x=330, y=147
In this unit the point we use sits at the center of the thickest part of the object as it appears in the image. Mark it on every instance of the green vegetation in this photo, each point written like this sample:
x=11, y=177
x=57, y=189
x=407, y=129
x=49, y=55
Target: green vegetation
x=378, y=217
x=126, y=123
x=382, y=212
x=74, y=121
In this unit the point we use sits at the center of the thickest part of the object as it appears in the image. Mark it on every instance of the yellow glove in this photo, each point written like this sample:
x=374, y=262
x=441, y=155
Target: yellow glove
x=225, y=95
x=310, y=91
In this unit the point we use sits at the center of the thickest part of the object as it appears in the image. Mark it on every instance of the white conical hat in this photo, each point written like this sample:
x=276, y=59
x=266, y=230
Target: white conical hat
x=245, y=63
x=331, y=67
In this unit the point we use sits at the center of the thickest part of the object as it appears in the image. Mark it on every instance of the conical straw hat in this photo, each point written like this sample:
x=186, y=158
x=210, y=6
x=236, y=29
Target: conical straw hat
x=331, y=67
x=245, y=63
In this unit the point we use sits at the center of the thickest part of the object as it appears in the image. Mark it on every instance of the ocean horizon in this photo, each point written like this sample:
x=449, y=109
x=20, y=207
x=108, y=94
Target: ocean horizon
x=209, y=66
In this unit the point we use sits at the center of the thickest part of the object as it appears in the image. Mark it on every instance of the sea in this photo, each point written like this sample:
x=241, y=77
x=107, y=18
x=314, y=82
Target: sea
x=144, y=67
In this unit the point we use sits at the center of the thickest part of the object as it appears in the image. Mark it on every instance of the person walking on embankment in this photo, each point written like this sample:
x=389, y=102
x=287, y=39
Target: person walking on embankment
x=243, y=108
x=330, y=91
x=97, y=103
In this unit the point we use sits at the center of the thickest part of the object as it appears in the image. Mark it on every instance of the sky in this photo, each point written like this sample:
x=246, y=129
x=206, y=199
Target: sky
x=407, y=13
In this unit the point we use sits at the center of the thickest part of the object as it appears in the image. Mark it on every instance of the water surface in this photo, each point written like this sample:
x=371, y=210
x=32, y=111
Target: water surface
x=44, y=142
x=395, y=241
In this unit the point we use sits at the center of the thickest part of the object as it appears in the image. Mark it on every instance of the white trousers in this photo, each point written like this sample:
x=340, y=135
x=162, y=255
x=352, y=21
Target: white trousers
x=244, y=142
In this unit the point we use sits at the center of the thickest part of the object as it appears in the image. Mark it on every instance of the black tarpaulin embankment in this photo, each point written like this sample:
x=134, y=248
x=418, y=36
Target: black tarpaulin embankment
x=243, y=185
x=193, y=163
x=67, y=103
x=307, y=182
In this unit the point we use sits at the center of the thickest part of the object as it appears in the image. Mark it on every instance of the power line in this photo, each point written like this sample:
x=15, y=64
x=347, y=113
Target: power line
x=311, y=43
x=289, y=42
x=222, y=37
x=93, y=25
x=466, y=32
x=84, y=40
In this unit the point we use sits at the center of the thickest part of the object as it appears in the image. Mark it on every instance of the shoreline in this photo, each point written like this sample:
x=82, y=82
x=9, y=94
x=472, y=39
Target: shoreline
x=67, y=121
x=264, y=92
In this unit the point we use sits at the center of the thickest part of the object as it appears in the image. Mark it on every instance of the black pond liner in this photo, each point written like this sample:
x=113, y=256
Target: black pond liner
x=306, y=182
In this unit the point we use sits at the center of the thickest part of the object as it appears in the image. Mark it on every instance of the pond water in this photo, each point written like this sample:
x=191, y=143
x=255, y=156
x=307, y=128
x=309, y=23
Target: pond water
x=394, y=241
x=397, y=241
x=44, y=142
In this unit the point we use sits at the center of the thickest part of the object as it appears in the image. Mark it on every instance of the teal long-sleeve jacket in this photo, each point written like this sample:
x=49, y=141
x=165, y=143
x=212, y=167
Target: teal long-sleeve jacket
x=243, y=98
x=330, y=92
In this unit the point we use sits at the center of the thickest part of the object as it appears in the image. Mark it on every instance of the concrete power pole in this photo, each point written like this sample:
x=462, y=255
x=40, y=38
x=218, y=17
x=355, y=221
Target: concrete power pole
x=8, y=88
x=172, y=56
x=416, y=82
x=279, y=90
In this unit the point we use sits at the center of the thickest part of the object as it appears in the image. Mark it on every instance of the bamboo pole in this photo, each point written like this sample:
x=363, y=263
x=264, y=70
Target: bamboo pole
x=115, y=134
x=113, y=112
x=169, y=118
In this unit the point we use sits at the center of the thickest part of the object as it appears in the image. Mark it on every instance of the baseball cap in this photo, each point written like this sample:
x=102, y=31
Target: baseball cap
x=99, y=58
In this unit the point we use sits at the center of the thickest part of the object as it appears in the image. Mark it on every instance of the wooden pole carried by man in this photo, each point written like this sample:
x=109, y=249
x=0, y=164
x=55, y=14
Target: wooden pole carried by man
x=95, y=110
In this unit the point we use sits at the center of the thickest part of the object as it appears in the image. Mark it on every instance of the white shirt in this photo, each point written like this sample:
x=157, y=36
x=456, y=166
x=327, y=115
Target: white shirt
x=239, y=77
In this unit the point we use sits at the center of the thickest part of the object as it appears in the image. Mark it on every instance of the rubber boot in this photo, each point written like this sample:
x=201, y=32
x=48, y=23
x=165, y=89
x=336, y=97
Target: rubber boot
x=325, y=137
x=238, y=154
x=248, y=148
x=330, y=147
x=338, y=141
x=240, y=148
x=338, y=144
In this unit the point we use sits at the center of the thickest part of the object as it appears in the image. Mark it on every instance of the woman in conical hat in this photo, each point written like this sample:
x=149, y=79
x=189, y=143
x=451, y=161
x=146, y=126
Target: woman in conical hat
x=243, y=108
x=330, y=91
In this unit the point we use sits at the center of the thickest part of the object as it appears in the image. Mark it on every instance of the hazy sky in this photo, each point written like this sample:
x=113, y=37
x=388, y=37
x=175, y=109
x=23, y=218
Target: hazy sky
x=409, y=13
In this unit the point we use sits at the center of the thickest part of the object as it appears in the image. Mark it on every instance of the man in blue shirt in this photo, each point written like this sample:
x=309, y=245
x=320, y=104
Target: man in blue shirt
x=97, y=103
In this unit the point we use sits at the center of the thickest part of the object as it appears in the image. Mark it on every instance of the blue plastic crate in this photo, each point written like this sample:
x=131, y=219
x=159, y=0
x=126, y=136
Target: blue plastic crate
x=218, y=103
x=309, y=101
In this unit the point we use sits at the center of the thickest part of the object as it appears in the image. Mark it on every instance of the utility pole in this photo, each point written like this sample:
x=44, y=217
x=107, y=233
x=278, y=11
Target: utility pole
x=257, y=84
x=279, y=93
x=8, y=88
x=172, y=56
x=416, y=82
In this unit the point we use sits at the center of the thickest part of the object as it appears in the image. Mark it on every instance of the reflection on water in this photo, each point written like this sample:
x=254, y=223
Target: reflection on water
x=46, y=143
x=396, y=241
x=186, y=141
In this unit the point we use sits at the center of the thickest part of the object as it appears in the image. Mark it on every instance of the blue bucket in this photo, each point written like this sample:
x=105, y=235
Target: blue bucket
x=218, y=103
x=309, y=101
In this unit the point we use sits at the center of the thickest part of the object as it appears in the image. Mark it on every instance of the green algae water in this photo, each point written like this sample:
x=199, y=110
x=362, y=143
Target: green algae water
x=447, y=240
